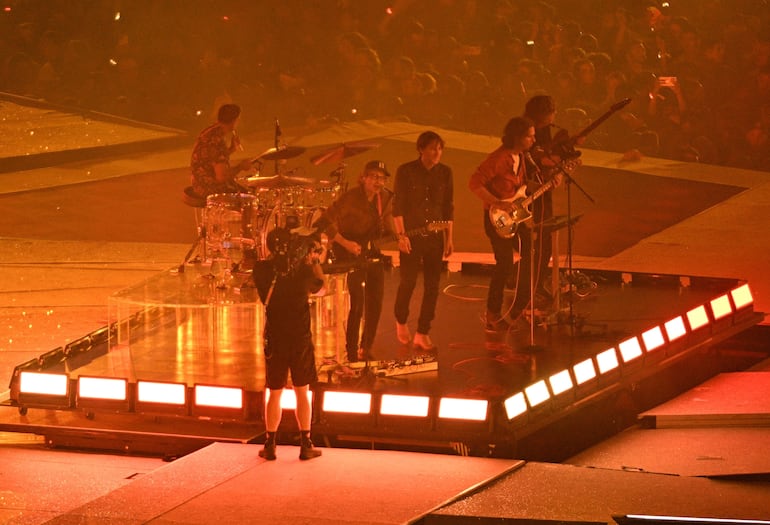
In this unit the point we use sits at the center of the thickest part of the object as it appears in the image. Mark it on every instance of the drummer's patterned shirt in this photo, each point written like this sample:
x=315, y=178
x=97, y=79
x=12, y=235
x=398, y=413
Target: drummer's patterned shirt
x=210, y=148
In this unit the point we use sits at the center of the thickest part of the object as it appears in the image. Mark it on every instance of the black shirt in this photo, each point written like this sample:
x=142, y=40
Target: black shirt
x=422, y=195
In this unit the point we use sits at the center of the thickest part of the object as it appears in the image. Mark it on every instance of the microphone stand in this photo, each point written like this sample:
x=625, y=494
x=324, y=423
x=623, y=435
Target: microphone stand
x=571, y=181
x=276, y=141
x=367, y=373
x=532, y=346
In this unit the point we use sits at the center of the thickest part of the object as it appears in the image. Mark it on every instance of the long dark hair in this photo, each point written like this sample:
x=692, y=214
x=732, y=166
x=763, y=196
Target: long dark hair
x=516, y=128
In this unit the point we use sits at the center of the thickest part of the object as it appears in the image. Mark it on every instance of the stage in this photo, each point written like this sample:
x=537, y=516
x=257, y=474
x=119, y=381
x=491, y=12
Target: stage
x=185, y=328
x=669, y=262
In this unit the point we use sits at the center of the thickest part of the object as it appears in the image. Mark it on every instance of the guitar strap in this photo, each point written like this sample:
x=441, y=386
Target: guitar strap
x=380, y=225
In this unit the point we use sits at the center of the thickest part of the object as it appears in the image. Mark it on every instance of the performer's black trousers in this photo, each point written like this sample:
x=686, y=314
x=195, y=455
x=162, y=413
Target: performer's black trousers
x=366, y=286
x=427, y=251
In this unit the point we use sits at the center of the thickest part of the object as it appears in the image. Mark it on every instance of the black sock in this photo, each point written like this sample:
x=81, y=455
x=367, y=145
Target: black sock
x=269, y=438
x=305, y=437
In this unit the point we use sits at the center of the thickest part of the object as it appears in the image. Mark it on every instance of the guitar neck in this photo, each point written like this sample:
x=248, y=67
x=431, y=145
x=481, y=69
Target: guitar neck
x=433, y=227
x=538, y=192
x=595, y=124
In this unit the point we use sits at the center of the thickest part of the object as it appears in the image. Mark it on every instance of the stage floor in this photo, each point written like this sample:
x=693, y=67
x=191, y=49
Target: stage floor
x=194, y=332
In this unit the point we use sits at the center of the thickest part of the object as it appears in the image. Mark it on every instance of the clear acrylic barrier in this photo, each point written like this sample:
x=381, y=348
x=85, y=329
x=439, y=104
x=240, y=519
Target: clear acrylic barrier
x=198, y=327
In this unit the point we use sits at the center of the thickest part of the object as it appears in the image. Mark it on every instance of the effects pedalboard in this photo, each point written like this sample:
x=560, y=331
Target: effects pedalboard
x=381, y=368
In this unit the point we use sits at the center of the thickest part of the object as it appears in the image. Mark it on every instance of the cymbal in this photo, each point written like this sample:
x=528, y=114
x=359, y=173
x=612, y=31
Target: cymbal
x=277, y=182
x=343, y=151
x=280, y=153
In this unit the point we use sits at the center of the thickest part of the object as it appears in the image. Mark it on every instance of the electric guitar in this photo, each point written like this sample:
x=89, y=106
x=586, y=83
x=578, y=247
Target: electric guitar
x=431, y=227
x=372, y=246
x=505, y=218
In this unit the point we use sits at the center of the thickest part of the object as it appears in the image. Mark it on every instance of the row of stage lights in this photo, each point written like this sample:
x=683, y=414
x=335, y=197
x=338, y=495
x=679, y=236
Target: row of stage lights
x=648, y=348
x=50, y=390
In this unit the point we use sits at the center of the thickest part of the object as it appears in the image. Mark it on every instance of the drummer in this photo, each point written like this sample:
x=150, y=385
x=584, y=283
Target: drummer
x=353, y=222
x=210, y=162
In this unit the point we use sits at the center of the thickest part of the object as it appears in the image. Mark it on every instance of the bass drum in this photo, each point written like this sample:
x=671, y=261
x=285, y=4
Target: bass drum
x=229, y=225
x=281, y=217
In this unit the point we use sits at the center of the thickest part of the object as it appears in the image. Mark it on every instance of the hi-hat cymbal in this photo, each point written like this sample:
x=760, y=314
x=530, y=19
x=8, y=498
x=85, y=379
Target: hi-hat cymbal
x=281, y=152
x=343, y=151
x=277, y=182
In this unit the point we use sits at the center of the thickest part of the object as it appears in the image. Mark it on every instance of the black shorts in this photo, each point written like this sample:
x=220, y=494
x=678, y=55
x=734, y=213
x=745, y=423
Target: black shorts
x=284, y=356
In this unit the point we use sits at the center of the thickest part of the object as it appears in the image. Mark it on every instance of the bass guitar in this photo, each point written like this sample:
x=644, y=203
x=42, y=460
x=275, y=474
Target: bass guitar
x=505, y=218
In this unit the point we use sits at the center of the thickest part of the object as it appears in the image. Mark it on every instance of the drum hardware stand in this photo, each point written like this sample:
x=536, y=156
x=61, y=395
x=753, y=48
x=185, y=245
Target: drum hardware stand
x=199, y=242
x=276, y=139
x=339, y=175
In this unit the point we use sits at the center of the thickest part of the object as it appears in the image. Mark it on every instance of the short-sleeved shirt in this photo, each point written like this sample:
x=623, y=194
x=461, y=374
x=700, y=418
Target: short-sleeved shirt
x=288, y=338
x=210, y=148
x=287, y=316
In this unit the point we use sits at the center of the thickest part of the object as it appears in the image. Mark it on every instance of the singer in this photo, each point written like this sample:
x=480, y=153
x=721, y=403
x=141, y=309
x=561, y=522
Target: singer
x=210, y=161
x=499, y=180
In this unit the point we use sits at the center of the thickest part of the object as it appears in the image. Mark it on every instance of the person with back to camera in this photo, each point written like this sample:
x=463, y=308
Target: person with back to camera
x=284, y=282
x=210, y=160
x=424, y=194
x=353, y=222
x=496, y=181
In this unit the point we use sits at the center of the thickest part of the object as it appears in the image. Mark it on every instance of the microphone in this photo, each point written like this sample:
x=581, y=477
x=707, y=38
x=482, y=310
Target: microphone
x=237, y=141
x=529, y=160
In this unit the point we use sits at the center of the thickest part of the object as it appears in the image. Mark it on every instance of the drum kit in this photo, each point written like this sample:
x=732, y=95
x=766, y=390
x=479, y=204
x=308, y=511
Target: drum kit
x=233, y=230
x=234, y=223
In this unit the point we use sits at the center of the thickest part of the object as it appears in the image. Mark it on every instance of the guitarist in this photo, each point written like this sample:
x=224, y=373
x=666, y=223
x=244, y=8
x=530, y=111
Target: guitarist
x=352, y=222
x=542, y=110
x=424, y=193
x=499, y=177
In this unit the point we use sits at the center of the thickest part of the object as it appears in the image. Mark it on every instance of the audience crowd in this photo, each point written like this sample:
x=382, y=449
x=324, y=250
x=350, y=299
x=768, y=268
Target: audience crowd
x=697, y=71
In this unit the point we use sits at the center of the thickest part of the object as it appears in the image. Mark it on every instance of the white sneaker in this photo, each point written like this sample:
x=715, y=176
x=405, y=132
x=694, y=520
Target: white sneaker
x=402, y=333
x=423, y=341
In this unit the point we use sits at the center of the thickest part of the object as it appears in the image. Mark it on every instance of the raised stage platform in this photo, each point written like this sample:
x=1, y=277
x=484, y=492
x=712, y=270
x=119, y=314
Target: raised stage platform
x=185, y=330
x=672, y=247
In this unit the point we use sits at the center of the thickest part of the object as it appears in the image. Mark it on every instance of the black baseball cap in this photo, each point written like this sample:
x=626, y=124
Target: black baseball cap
x=377, y=165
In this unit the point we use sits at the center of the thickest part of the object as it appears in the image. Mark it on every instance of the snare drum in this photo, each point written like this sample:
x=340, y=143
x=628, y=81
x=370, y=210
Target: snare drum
x=230, y=225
